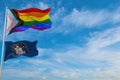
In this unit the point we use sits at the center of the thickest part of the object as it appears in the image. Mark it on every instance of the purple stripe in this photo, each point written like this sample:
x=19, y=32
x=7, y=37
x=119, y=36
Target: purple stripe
x=41, y=26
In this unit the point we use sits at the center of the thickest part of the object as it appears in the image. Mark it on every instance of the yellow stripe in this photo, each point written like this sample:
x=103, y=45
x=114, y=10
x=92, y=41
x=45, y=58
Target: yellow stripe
x=31, y=18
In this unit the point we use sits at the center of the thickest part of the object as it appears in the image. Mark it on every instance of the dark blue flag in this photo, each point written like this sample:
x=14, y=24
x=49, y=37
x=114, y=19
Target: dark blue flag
x=17, y=49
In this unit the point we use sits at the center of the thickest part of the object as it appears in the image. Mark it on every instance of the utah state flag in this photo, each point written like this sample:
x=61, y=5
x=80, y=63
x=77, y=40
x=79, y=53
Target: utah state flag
x=17, y=49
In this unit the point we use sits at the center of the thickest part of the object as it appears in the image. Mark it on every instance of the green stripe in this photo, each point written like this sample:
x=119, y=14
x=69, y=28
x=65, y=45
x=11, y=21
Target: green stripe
x=36, y=22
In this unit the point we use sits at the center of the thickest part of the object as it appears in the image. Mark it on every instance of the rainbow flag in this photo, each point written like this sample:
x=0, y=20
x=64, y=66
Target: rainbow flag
x=21, y=20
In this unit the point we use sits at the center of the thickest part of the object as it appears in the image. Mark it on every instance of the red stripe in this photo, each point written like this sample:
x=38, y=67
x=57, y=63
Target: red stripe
x=33, y=10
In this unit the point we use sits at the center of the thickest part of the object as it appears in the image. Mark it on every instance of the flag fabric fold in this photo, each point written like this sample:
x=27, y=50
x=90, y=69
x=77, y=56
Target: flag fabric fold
x=21, y=20
x=20, y=48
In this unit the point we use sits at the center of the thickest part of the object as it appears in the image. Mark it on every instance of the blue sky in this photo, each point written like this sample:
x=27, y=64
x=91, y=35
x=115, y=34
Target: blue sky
x=83, y=43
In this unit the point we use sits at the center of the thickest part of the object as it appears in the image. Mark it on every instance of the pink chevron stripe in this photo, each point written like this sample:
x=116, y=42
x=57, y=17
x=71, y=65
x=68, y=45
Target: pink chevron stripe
x=11, y=22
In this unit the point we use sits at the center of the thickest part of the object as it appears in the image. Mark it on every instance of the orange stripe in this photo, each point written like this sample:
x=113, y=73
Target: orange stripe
x=36, y=14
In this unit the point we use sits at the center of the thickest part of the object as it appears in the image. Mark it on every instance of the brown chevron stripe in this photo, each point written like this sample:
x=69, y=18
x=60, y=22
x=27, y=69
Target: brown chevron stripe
x=20, y=22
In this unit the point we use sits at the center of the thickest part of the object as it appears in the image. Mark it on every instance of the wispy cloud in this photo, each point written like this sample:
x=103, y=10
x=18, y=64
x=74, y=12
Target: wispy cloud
x=105, y=38
x=40, y=5
x=85, y=18
x=59, y=13
x=64, y=75
x=23, y=74
x=91, y=18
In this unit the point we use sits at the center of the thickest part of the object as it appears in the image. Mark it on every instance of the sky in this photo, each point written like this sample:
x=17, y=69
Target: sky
x=82, y=44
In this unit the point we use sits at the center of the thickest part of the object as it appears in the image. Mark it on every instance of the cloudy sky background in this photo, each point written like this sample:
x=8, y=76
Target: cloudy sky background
x=83, y=43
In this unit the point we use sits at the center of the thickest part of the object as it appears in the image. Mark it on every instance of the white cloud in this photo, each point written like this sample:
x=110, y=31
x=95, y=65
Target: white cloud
x=71, y=74
x=105, y=38
x=66, y=22
x=116, y=16
x=86, y=18
x=59, y=13
x=26, y=6
x=91, y=18
x=42, y=5
x=23, y=74
x=56, y=19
